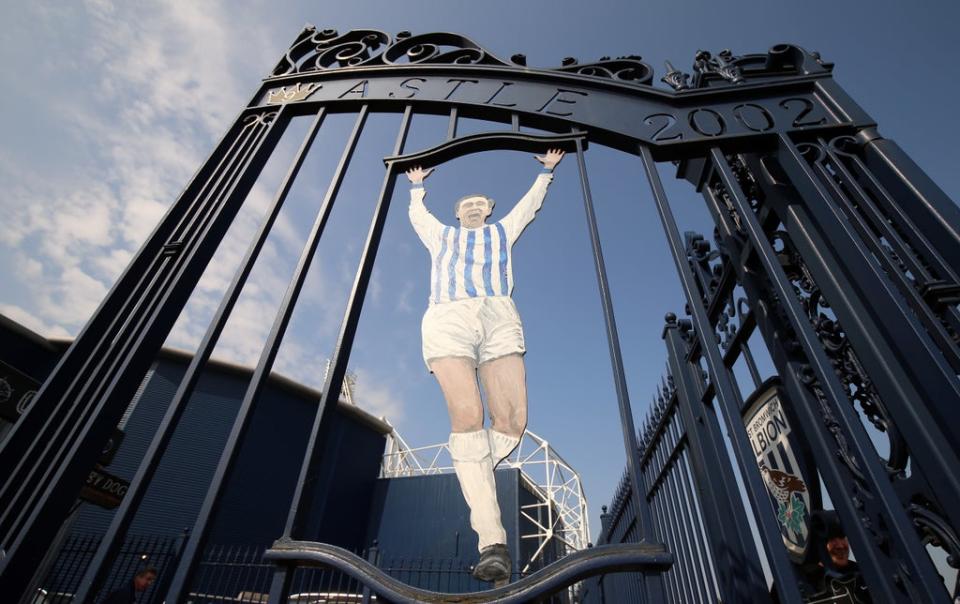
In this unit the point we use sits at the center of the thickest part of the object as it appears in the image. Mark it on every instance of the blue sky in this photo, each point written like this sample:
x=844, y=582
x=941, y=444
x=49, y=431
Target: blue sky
x=108, y=109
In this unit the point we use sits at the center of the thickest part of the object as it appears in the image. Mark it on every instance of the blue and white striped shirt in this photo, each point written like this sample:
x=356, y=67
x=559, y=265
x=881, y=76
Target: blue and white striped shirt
x=471, y=263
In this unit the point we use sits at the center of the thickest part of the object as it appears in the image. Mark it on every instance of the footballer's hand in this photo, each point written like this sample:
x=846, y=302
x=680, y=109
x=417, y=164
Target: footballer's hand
x=418, y=174
x=551, y=158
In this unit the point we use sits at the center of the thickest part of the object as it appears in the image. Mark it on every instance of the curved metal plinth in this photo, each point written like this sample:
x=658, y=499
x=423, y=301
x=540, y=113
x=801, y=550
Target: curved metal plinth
x=637, y=557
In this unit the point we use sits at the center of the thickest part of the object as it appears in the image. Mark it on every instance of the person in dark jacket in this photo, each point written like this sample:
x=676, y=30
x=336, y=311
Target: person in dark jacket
x=828, y=574
x=128, y=593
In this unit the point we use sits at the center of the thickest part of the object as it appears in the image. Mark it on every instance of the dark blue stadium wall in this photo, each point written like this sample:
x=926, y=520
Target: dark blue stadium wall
x=426, y=518
x=268, y=464
x=256, y=499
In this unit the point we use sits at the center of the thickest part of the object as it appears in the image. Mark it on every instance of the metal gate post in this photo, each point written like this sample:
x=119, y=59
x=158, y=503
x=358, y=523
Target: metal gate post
x=728, y=531
x=727, y=395
x=653, y=586
x=58, y=440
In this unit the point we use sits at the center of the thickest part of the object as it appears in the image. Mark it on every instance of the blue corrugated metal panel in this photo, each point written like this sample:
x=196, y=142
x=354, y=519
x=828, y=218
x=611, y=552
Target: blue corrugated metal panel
x=256, y=500
x=183, y=476
x=426, y=516
x=268, y=466
x=353, y=461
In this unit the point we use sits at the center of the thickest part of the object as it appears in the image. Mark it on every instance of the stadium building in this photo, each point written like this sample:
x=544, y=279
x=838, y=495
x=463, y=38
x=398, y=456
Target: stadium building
x=399, y=506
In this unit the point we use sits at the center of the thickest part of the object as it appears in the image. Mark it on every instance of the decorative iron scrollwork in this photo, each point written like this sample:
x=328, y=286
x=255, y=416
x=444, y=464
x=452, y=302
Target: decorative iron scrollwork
x=723, y=64
x=748, y=185
x=727, y=69
x=630, y=68
x=674, y=78
x=325, y=49
x=857, y=384
x=727, y=329
x=706, y=263
x=808, y=377
x=936, y=530
x=441, y=48
x=929, y=284
x=264, y=118
x=319, y=50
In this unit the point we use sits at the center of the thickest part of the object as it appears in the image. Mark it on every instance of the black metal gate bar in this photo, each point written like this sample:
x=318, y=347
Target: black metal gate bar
x=652, y=467
x=911, y=271
x=882, y=328
x=659, y=459
x=914, y=194
x=672, y=575
x=180, y=584
x=300, y=505
x=728, y=531
x=186, y=260
x=77, y=411
x=452, y=125
x=123, y=516
x=148, y=282
x=726, y=395
x=687, y=546
x=624, y=557
x=105, y=367
x=669, y=527
x=706, y=563
x=683, y=516
x=44, y=406
x=748, y=359
x=872, y=496
x=653, y=588
x=674, y=521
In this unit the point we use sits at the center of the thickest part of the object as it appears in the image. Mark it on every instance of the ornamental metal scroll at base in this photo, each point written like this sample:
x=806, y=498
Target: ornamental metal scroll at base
x=636, y=557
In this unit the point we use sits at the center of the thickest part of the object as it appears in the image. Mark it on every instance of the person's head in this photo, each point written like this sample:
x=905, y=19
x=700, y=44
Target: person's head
x=838, y=548
x=832, y=547
x=145, y=578
x=472, y=211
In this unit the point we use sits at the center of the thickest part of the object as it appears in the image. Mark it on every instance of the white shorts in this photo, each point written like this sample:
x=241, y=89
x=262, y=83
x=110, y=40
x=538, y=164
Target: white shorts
x=482, y=329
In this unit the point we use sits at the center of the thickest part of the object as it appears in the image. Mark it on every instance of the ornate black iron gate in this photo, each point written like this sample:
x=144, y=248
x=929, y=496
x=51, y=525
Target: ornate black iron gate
x=845, y=251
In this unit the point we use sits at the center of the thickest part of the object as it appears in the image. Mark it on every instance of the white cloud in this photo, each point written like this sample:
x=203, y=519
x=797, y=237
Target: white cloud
x=32, y=322
x=161, y=83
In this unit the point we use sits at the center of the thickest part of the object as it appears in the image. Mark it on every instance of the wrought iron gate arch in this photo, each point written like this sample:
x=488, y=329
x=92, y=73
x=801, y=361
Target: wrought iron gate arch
x=774, y=145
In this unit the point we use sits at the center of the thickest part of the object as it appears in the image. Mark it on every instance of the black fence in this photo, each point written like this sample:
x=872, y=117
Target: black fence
x=137, y=553
x=238, y=573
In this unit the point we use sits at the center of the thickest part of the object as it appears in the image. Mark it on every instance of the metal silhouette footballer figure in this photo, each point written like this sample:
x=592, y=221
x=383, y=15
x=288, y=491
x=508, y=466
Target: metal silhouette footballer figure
x=472, y=328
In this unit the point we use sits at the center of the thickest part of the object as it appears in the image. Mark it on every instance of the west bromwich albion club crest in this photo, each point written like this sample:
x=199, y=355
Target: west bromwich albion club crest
x=769, y=432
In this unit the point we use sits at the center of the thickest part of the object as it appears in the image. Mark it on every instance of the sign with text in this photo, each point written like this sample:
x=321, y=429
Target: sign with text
x=103, y=488
x=769, y=432
x=17, y=390
x=654, y=118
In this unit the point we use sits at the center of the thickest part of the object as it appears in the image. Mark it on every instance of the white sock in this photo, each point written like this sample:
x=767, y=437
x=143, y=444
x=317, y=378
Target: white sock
x=501, y=445
x=474, y=467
